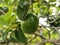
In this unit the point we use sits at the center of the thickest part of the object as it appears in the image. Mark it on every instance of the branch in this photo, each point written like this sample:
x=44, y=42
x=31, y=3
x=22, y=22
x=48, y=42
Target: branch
x=49, y=26
x=43, y=38
x=2, y=12
x=54, y=41
x=40, y=36
x=49, y=16
x=32, y=38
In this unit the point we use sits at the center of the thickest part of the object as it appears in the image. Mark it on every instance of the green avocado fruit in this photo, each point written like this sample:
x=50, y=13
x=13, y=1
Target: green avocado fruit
x=30, y=25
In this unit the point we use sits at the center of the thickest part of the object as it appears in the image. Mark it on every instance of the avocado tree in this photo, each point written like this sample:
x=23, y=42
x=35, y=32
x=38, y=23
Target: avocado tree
x=30, y=22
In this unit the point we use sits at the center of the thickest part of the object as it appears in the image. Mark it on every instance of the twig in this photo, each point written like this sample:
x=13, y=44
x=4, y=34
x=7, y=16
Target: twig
x=7, y=42
x=49, y=26
x=49, y=34
x=32, y=38
x=40, y=36
x=1, y=11
x=54, y=41
x=50, y=16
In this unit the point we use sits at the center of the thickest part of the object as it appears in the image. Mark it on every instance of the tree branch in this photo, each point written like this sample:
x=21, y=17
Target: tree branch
x=40, y=36
x=54, y=41
x=2, y=12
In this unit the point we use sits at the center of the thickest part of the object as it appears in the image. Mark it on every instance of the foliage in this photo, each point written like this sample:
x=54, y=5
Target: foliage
x=20, y=22
x=30, y=25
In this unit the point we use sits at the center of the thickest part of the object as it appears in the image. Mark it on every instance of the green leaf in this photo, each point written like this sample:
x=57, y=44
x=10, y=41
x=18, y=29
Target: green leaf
x=22, y=11
x=8, y=17
x=35, y=5
x=2, y=21
x=19, y=36
x=6, y=1
x=44, y=8
x=52, y=0
x=49, y=44
x=45, y=33
x=12, y=37
x=54, y=34
x=36, y=10
x=22, y=3
x=8, y=14
x=12, y=18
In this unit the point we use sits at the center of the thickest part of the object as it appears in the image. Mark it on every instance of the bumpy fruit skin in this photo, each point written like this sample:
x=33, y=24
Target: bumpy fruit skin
x=30, y=25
